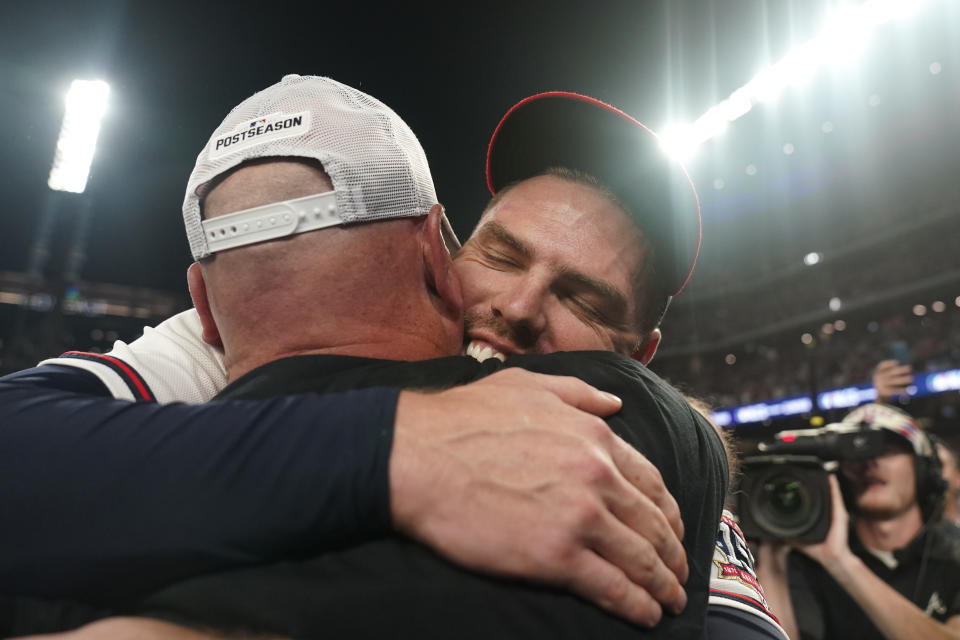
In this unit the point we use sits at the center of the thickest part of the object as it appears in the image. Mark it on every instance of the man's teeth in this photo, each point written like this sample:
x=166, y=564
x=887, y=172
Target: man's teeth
x=483, y=352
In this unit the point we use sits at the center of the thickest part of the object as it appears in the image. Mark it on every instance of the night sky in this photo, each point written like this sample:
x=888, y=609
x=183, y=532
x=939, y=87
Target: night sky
x=451, y=71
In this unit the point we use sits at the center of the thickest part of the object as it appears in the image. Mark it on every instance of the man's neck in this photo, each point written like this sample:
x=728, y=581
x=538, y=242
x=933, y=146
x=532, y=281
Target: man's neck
x=890, y=534
x=951, y=511
x=398, y=347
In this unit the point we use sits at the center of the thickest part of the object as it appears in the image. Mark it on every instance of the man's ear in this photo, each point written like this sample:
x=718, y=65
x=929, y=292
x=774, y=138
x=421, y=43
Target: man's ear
x=438, y=264
x=647, y=348
x=198, y=292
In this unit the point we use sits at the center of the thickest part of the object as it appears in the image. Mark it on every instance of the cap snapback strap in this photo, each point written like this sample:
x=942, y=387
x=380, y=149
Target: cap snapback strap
x=271, y=221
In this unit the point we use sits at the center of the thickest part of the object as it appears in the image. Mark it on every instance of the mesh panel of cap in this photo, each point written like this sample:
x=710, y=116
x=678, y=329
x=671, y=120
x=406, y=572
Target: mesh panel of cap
x=375, y=162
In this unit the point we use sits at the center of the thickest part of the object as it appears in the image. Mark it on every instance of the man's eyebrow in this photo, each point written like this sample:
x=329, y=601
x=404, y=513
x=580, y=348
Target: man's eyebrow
x=615, y=299
x=611, y=295
x=500, y=233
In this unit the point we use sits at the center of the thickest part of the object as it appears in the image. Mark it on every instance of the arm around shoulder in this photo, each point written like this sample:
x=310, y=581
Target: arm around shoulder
x=104, y=495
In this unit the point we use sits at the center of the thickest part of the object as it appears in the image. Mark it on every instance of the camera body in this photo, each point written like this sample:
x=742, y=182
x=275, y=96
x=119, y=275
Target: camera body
x=784, y=494
x=784, y=498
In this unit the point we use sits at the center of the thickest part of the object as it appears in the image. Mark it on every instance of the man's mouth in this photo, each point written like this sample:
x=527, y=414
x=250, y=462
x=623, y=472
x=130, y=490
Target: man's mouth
x=480, y=350
x=867, y=483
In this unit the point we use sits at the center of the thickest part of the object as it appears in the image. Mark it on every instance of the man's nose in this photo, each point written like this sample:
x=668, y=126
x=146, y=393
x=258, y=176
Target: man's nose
x=522, y=307
x=853, y=468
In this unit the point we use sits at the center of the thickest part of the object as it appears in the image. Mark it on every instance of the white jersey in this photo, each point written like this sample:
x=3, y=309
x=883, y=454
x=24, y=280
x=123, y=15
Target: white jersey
x=733, y=579
x=168, y=363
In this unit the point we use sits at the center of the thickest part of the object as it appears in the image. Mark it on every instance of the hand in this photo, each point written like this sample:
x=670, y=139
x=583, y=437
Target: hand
x=771, y=557
x=891, y=378
x=516, y=475
x=836, y=547
x=773, y=575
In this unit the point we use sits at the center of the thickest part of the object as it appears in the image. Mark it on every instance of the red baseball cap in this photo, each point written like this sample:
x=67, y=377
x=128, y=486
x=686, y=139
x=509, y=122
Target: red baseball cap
x=562, y=129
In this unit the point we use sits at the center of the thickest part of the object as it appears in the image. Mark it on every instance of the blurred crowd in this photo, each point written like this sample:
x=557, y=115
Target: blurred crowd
x=784, y=365
x=762, y=334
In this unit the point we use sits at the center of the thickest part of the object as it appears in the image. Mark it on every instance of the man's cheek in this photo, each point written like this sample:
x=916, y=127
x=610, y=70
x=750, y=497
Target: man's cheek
x=480, y=284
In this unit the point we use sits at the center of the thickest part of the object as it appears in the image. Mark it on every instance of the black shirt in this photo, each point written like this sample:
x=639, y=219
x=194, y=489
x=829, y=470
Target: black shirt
x=392, y=586
x=926, y=572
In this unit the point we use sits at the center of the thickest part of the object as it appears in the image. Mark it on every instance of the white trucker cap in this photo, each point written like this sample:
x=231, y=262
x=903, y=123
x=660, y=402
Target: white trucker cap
x=378, y=169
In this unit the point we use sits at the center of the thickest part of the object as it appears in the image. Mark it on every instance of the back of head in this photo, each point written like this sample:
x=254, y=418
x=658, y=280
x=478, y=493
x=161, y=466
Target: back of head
x=374, y=161
x=264, y=179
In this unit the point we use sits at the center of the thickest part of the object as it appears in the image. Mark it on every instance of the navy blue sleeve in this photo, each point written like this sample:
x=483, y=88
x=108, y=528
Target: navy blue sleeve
x=55, y=376
x=117, y=498
x=724, y=623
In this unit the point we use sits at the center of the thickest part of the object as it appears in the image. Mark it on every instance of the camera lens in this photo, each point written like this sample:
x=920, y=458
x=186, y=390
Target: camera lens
x=785, y=505
x=786, y=497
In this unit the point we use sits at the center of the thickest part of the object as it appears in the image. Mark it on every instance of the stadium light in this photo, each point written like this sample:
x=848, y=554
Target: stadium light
x=86, y=104
x=840, y=40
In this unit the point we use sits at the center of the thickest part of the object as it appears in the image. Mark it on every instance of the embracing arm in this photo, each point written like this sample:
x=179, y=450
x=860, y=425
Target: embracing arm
x=615, y=493
x=113, y=497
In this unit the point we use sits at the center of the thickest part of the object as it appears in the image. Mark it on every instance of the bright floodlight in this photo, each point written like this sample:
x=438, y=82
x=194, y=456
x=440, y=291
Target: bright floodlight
x=840, y=40
x=86, y=104
x=679, y=141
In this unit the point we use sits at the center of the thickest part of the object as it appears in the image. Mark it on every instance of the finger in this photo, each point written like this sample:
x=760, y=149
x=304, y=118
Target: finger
x=885, y=365
x=641, y=516
x=642, y=474
x=603, y=584
x=770, y=551
x=579, y=394
x=634, y=554
x=836, y=496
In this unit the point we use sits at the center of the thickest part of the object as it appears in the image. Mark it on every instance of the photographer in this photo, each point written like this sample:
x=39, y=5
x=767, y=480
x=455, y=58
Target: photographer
x=891, y=379
x=883, y=573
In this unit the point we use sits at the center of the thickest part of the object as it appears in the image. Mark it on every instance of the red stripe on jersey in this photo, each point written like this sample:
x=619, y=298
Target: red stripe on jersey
x=132, y=375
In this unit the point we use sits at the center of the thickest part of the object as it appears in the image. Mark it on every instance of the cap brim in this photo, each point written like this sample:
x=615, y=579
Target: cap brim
x=560, y=129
